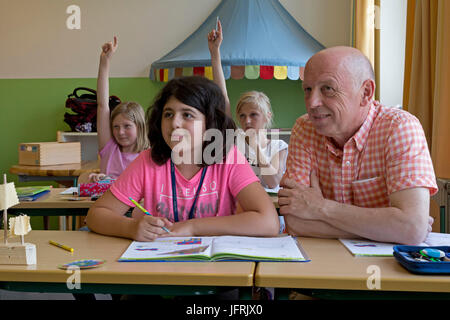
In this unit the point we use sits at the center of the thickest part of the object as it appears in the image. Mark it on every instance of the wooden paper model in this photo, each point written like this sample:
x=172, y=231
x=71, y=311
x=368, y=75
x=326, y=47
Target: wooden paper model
x=14, y=252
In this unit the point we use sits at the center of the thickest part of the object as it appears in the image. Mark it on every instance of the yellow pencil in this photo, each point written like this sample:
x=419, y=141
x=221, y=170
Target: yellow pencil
x=61, y=246
x=145, y=211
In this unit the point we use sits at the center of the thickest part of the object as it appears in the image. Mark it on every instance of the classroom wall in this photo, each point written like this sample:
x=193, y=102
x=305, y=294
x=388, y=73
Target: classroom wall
x=36, y=42
x=42, y=61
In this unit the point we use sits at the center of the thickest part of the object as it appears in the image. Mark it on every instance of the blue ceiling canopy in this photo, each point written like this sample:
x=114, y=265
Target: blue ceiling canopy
x=261, y=40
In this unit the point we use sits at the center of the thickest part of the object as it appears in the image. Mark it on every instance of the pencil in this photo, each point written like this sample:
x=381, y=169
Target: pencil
x=61, y=246
x=145, y=211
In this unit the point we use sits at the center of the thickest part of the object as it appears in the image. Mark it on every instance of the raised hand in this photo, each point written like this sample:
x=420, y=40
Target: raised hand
x=109, y=48
x=215, y=38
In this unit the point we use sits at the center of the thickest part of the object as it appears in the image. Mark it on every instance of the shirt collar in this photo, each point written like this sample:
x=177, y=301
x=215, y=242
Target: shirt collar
x=331, y=147
x=360, y=137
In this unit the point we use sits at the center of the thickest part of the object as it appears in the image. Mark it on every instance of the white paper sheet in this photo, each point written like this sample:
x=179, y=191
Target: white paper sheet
x=361, y=247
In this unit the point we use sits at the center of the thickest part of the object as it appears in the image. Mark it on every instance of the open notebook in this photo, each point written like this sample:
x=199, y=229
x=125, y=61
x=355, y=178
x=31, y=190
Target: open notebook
x=215, y=249
x=361, y=247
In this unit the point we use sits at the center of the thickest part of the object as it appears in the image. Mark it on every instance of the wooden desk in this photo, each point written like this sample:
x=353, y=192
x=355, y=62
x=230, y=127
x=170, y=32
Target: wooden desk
x=335, y=269
x=165, y=278
x=54, y=204
x=63, y=172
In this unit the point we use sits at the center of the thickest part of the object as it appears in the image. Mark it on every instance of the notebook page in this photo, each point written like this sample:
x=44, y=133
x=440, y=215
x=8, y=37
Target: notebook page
x=438, y=239
x=361, y=247
x=272, y=248
x=167, y=247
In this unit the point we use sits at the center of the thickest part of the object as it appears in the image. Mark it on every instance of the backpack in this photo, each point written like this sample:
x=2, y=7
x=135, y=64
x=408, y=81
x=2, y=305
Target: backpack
x=85, y=108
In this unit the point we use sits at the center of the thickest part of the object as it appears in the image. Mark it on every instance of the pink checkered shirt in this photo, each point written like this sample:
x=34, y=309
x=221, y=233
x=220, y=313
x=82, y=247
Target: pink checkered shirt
x=387, y=154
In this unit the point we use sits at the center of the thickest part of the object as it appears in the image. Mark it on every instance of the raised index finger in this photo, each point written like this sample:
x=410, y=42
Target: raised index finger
x=219, y=28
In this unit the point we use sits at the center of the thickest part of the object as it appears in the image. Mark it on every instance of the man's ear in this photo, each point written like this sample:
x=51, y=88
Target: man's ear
x=367, y=92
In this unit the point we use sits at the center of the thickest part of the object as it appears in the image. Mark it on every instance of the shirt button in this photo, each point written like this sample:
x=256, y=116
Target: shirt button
x=347, y=163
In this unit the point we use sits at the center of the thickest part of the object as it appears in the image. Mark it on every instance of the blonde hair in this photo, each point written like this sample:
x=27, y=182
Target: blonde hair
x=134, y=112
x=260, y=100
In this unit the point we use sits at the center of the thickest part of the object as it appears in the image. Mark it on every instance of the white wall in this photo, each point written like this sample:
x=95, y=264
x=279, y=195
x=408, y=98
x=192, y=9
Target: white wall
x=392, y=51
x=329, y=21
x=35, y=42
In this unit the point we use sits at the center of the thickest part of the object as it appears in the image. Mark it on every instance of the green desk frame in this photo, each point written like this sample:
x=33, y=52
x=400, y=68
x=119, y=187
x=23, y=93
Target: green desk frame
x=329, y=294
x=245, y=293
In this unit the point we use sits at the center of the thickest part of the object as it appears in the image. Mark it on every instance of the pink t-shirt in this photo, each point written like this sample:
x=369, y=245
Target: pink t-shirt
x=145, y=179
x=113, y=161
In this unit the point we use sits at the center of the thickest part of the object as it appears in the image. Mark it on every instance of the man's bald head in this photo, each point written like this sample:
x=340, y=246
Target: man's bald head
x=352, y=60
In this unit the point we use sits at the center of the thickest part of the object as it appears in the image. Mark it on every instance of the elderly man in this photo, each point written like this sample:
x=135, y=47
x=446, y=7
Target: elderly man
x=355, y=168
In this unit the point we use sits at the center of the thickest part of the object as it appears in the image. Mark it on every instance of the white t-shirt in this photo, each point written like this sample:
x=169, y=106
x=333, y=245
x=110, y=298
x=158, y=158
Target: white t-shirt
x=272, y=148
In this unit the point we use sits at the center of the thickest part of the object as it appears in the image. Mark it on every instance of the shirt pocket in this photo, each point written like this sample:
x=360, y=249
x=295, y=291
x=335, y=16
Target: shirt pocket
x=370, y=193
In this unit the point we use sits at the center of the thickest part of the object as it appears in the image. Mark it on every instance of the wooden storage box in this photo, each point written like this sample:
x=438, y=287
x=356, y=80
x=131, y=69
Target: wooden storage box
x=49, y=153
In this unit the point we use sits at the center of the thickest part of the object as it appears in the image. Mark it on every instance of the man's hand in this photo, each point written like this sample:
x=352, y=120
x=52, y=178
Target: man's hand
x=430, y=224
x=300, y=201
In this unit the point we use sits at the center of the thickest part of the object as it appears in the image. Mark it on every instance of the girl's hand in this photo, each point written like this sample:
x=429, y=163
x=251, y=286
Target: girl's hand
x=181, y=229
x=96, y=177
x=215, y=38
x=149, y=228
x=109, y=48
x=251, y=138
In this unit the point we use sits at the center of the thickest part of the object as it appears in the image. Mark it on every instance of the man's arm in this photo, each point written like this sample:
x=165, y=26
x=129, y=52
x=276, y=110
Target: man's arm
x=405, y=221
x=314, y=228
x=409, y=173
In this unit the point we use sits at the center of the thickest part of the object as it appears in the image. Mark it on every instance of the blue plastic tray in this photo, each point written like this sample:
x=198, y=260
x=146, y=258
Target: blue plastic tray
x=401, y=254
